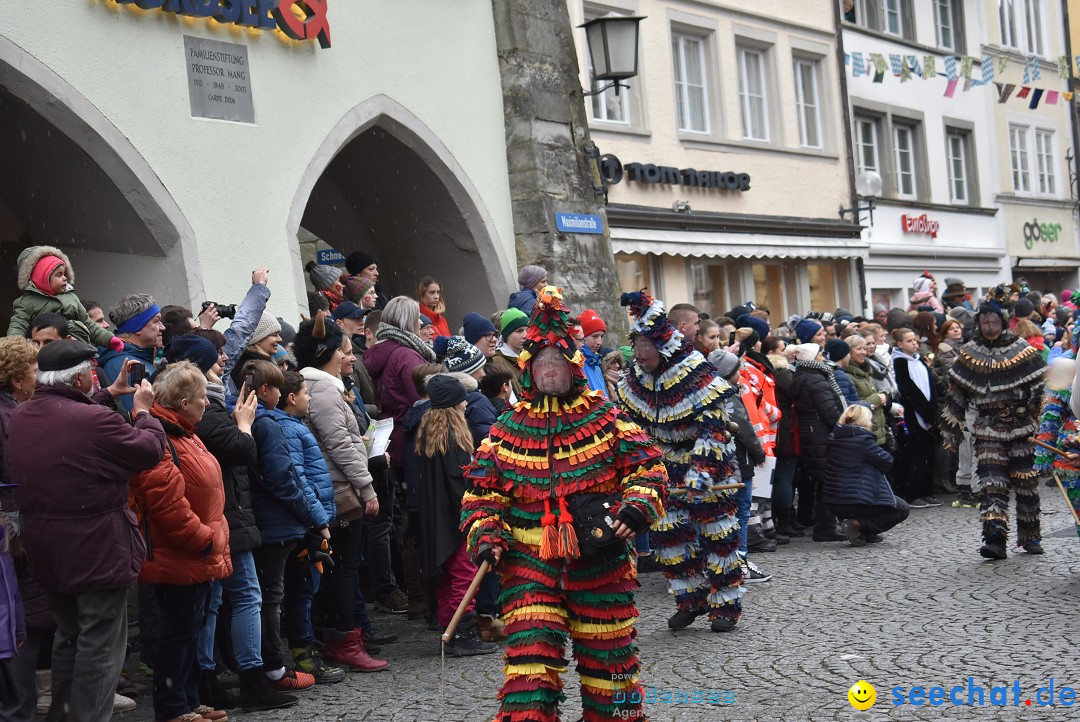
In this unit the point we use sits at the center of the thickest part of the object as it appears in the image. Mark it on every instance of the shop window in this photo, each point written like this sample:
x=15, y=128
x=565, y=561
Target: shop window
x=769, y=288
x=807, y=102
x=753, y=101
x=635, y=272
x=822, y=278
x=708, y=288
x=950, y=25
x=691, y=93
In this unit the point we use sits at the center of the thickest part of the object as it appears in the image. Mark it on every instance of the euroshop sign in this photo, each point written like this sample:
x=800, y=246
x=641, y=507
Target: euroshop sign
x=298, y=19
x=613, y=172
x=920, y=224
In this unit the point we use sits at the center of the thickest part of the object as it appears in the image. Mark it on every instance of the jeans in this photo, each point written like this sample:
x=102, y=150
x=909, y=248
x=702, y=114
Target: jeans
x=88, y=653
x=270, y=566
x=379, y=538
x=783, y=493
x=181, y=614
x=301, y=583
x=874, y=519
x=336, y=599
x=743, y=498
x=245, y=599
x=18, y=692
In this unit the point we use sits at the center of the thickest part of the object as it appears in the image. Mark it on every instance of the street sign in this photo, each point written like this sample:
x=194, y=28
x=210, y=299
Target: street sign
x=579, y=223
x=329, y=258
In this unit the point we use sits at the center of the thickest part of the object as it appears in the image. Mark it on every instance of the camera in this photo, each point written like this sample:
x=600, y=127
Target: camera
x=223, y=310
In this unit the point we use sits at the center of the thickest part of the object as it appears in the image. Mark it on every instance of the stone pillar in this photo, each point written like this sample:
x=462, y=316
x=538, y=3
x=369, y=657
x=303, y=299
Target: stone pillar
x=547, y=136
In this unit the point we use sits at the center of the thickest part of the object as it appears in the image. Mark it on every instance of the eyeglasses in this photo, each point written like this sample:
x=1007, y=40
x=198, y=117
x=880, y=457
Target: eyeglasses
x=493, y=336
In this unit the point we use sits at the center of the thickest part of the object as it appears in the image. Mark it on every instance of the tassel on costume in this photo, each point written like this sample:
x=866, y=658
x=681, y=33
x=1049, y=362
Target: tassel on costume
x=558, y=540
x=549, y=538
x=568, y=542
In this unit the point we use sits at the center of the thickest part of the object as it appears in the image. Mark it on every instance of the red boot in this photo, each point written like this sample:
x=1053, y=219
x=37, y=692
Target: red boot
x=349, y=651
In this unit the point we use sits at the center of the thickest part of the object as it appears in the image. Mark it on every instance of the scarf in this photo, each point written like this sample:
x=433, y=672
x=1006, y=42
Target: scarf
x=920, y=376
x=387, y=332
x=820, y=366
x=215, y=392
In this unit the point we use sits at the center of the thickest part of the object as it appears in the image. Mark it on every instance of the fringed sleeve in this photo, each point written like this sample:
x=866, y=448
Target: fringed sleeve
x=1055, y=408
x=952, y=417
x=485, y=503
x=641, y=472
x=712, y=461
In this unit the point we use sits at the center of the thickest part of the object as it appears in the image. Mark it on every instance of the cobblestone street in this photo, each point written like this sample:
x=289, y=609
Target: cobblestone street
x=920, y=609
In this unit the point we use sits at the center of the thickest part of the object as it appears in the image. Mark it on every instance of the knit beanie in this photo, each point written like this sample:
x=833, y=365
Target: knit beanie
x=549, y=325
x=650, y=320
x=726, y=363
x=458, y=355
x=358, y=261
x=195, y=349
x=529, y=276
x=806, y=329
x=267, y=326
x=475, y=327
x=511, y=320
x=835, y=349
x=356, y=286
x=921, y=284
x=758, y=324
x=806, y=351
x=445, y=391
x=42, y=270
x=1023, y=308
x=323, y=277
x=590, y=322
x=288, y=333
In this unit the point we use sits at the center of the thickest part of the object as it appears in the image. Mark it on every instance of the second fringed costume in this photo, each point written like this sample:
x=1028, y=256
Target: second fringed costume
x=1058, y=423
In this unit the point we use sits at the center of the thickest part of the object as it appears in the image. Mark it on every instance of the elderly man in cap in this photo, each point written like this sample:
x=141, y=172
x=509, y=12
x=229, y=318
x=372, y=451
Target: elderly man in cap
x=71, y=456
x=138, y=324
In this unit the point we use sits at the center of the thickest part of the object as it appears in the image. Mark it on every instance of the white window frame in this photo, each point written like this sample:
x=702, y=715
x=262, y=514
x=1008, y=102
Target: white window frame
x=1009, y=23
x=808, y=109
x=892, y=9
x=1034, y=22
x=746, y=98
x=603, y=101
x=950, y=25
x=681, y=51
x=1044, y=162
x=862, y=124
x=1019, y=157
x=911, y=171
x=956, y=140
x=1023, y=26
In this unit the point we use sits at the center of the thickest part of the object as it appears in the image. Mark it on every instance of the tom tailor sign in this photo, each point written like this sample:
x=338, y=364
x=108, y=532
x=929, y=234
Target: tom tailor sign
x=613, y=171
x=298, y=19
x=219, y=80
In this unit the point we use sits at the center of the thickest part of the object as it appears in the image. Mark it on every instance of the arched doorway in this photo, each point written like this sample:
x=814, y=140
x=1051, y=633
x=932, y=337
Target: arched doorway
x=71, y=179
x=383, y=183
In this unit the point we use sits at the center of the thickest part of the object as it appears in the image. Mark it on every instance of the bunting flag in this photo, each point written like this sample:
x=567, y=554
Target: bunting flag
x=1027, y=70
x=1051, y=97
x=965, y=67
x=929, y=67
x=847, y=58
x=896, y=63
x=1036, y=69
x=950, y=67
x=913, y=62
x=1024, y=92
x=1035, y=98
x=1003, y=63
x=987, y=70
x=879, y=66
x=1068, y=96
x=1063, y=67
x=905, y=70
x=858, y=67
x=950, y=87
x=1004, y=91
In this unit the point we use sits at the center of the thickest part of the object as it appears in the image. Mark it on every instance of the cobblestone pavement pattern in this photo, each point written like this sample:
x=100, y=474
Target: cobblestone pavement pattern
x=921, y=608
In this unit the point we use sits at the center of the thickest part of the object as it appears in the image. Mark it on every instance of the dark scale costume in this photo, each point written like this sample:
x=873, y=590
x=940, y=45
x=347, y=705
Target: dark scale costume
x=1002, y=379
x=541, y=458
x=681, y=406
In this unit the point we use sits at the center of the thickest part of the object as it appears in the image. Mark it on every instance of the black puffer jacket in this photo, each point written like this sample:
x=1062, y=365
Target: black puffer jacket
x=856, y=469
x=817, y=409
x=784, y=431
x=235, y=452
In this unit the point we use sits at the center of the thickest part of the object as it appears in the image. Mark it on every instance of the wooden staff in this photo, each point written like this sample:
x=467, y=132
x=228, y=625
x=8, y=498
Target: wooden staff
x=469, y=594
x=1068, y=501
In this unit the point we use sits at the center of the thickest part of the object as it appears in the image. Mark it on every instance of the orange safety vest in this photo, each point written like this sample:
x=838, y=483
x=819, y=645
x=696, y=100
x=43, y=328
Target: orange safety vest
x=761, y=404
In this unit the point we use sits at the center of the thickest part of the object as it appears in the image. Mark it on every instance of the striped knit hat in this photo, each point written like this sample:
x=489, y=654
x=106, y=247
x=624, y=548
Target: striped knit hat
x=651, y=321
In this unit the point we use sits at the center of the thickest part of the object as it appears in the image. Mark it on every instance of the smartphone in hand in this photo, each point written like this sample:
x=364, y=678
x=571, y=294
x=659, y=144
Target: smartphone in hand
x=249, y=381
x=136, y=374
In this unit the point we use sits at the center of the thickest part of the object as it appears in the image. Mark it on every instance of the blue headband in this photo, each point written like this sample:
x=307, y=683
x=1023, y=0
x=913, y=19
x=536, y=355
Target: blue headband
x=135, y=323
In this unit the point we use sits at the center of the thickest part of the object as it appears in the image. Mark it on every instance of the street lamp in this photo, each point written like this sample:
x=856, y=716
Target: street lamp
x=867, y=188
x=613, y=48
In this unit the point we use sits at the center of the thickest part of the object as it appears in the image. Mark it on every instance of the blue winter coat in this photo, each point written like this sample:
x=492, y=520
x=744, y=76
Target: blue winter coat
x=523, y=300
x=112, y=361
x=594, y=374
x=278, y=492
x=309, y=462
x=847, y=386
x=855, y=471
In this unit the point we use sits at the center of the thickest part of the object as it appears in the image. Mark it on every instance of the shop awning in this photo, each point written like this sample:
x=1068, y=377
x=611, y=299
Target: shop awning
x=733, y=245
x=1054, y=263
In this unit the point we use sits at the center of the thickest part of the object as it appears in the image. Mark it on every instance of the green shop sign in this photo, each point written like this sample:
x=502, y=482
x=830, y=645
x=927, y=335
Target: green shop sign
x=1035, y=232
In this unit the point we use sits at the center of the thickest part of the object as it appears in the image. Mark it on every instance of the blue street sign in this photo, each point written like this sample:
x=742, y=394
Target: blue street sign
x=579, y=223
x=329, y=258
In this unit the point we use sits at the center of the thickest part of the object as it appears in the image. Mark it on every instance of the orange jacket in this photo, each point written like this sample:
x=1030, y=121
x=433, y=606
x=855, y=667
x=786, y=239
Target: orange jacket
x=182, y=505
x=765, y=414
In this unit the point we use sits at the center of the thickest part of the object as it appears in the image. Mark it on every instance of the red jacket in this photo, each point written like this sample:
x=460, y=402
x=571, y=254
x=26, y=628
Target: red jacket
x=184, y=507
x=442, y=328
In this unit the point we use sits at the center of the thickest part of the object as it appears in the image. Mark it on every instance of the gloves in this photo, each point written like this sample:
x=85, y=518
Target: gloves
x=633, y=518
x=317, y=550
x=486, y=553
x=116, y=344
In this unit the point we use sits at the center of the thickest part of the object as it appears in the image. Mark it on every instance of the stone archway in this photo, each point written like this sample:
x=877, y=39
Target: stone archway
x=382, y=182
x=73, y=180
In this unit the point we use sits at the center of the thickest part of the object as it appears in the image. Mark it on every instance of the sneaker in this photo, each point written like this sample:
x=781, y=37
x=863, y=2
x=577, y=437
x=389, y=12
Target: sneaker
x=466, y=642
x=752, y=575
x=853, y=531
x=722, y=624
x=293, y=681
x=1033, y=547
x=932, y=501
x=309, y=660
x=684, y=618
x=919, y=503
x=993, y=551
x=122, y=704
x=395, y=602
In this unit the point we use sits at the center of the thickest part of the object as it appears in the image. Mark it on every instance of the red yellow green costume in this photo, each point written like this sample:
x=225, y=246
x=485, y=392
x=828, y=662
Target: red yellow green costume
x=539, y=454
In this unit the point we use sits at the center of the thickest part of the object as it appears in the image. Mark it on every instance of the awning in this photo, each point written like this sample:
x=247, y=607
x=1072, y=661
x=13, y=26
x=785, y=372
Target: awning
x=1049, y=263
x=733, y=245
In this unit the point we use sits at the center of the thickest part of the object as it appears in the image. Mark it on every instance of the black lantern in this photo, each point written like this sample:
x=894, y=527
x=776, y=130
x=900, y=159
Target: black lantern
x=613, y=47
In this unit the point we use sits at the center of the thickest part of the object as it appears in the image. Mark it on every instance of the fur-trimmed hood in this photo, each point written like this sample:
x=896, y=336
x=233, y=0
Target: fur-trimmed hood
x=29, y=258
x=466, y=380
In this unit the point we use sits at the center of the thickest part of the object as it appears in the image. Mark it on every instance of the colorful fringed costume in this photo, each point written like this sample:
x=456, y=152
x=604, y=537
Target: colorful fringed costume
x=680, y=405
x=1002, y=379
x=541, y=455
x=1059, y=426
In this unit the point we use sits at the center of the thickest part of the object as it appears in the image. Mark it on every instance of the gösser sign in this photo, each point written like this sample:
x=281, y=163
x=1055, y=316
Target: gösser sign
x=1035, y=232
x=299, y=19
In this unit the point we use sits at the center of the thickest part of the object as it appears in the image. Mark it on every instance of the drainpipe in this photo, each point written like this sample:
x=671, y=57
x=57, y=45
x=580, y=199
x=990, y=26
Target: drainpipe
x=845, y=105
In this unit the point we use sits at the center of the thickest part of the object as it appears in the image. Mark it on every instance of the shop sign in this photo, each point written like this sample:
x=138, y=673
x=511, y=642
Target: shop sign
x=579, y=223
x=329, y=257
x=298, y=19
x=219, y=84
x=1035, y=232
x=613, y=172
x=920, y=224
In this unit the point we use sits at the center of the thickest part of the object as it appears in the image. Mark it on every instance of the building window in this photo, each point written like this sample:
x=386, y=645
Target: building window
x=1018, y=158
x=606, y=107
x=807, y=102
x=1008, y=21
x=822, y=281
x=691, y=98
x=1034, y=15
x=950, y=25
x=708, y=287
x=752, y=100
x=866, y=143
x=635, y=272
x=904, y=148
x=1022, y=25
x=959, y=155
x=894, y=21
x=1044, y=161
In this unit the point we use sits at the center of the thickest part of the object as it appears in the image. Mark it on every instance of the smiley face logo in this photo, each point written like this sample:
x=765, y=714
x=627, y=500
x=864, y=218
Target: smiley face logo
x=862, y=696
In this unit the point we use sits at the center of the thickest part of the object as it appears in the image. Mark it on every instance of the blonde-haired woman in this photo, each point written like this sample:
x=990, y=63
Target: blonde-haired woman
x=444, y=446
x=856, y=488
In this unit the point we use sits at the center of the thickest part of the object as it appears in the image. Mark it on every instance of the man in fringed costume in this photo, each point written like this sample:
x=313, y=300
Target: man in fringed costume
x=1059, y=425
x=676, y=396
x=558, y=452
x=1001, y=376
